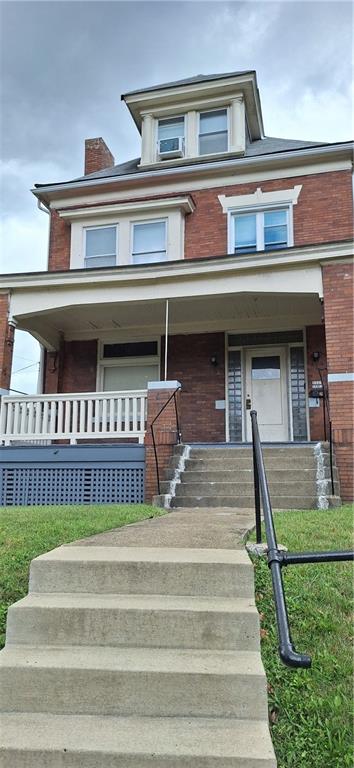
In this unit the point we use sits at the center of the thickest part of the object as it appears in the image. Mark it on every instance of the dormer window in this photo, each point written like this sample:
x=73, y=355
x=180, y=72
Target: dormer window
x=170, y=138
x=213, y=133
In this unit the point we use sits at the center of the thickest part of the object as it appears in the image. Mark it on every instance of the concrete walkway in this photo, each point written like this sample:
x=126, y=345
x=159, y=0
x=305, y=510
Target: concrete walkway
x=216, y=528
x=139, y=647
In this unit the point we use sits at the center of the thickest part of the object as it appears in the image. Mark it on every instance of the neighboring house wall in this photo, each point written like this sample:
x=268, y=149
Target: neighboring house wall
x=339, y=319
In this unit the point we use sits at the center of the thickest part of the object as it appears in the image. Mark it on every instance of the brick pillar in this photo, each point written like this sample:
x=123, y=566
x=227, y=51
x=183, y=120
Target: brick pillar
x=165, y=432
x=339, y=317
x=7, y=333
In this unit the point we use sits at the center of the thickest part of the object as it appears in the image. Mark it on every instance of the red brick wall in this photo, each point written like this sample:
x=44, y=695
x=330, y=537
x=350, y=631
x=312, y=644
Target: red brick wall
x=73, y=368
x=323, y=212
x=316, y=342
x=59, y=243
x=339, y=324
x=79, y=366
x=6, y=343
x=202, y=384
x=165, y=434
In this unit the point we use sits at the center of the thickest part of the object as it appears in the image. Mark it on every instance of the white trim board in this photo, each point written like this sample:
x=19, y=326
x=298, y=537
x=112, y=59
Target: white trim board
x=333, y=377
x=260, y=199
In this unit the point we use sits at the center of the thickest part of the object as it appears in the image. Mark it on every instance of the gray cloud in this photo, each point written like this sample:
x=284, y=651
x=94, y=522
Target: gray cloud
x=65, y=64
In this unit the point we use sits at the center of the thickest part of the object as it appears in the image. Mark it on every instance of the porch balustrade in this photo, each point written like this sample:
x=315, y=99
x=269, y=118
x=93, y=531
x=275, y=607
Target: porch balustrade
x=93, y=415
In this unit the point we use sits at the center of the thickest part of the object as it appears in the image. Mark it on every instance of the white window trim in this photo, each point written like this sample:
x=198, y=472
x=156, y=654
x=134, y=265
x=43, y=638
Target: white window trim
x=148, y=221
x=156, y=132
x=100, y=226
x=174, y=215
x=226, y=109
x=259, y=226
x=114, y=362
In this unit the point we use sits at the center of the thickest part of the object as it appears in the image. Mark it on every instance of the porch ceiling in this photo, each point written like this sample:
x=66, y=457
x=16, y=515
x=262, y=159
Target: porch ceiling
x=243, y=311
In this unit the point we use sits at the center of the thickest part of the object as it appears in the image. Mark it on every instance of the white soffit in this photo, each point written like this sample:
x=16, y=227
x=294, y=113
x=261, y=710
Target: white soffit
x=260, y=199
x=181, y=203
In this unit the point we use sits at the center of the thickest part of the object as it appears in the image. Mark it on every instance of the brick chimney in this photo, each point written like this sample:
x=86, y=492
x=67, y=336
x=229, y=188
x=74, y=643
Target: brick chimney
x=97, y=155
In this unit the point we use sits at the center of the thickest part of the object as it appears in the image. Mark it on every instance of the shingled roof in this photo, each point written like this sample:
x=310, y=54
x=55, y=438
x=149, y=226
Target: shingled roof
x=268, y=145
x=190, y=81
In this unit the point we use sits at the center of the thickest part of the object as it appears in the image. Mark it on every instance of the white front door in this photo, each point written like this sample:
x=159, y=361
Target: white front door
x=266, y=392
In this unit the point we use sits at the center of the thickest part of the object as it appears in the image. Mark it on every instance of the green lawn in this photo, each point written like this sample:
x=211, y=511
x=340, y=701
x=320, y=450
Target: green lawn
x=26, y=532
x=310, y=710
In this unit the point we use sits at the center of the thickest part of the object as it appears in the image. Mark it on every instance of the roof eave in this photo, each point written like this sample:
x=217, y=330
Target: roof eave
x=308, y=152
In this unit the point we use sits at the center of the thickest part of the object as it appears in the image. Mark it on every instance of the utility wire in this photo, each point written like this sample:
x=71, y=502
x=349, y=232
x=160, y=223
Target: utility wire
x=25, y=368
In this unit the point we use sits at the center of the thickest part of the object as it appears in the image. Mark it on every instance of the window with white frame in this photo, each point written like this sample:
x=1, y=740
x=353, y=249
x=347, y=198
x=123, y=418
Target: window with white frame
x=149, y=242
x=129, y=365
x=170, y=135
x=213, y=132
x=265, y=230
x=101, y=246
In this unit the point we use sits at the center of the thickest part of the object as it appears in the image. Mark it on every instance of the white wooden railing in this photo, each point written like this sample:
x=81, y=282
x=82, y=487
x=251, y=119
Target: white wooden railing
x=93, y=415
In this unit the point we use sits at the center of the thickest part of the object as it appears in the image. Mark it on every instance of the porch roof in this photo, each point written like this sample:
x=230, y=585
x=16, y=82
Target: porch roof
x=205, y=294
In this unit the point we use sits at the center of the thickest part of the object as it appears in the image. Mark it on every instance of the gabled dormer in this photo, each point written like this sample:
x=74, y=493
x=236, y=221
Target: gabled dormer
x=205, y=117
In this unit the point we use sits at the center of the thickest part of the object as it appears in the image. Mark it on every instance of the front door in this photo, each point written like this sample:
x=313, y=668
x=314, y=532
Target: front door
x=266, y=392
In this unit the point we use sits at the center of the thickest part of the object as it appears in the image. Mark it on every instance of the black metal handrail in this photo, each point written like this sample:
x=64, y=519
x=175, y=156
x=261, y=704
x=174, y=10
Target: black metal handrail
x=278, y=558
x=179, y=434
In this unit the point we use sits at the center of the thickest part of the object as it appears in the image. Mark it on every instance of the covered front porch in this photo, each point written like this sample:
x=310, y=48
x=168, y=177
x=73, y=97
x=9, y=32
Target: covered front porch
x=230, y=350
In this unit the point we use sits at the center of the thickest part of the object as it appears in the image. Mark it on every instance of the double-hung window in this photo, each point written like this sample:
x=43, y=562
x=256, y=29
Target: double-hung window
x=170, y=135
x=260, y=231
x=213, y=134
x=149, y=242
x=101, y=246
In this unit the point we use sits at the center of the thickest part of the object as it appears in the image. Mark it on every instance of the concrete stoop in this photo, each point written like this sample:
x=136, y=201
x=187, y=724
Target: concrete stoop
x=222, y=476
x=128, y=657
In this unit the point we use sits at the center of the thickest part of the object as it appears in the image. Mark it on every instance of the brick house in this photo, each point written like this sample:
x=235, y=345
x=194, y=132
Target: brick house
x=221, y=259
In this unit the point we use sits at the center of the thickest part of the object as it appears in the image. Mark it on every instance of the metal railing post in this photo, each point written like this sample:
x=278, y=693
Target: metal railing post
x=257, y=498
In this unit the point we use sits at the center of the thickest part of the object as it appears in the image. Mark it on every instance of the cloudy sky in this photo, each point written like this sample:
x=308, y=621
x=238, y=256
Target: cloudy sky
x=64, y=66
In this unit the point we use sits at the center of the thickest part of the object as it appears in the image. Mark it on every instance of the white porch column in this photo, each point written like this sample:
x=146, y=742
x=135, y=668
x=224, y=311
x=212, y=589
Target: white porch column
x=237, y=125
x=147, y=140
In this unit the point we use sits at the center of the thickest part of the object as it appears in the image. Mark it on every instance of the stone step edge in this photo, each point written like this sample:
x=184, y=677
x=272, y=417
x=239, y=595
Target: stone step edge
x=171, y=737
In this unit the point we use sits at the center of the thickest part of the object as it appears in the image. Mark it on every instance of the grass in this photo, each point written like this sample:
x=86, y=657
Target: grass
x=310, y=710
x=26, y=532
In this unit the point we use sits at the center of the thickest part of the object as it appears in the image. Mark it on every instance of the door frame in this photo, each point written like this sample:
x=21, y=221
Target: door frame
x=242, y=349
x=281, y=351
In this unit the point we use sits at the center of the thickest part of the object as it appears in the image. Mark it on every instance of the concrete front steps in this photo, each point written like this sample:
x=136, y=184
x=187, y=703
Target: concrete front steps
x=222, y=476
x=125, y=657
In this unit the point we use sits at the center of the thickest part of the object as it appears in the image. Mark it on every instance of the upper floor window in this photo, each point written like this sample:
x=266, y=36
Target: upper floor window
x=170, y=138
x=101, y=247
x=261, y=231
x=213, y=134
x=149, y=242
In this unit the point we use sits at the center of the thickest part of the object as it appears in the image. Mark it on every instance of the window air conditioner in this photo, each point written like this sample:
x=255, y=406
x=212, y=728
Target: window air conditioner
x=170, y=148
